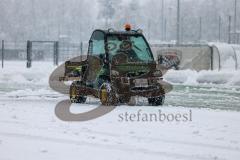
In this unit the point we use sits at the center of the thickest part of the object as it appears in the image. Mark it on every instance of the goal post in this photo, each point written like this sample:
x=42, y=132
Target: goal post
x=54, y=51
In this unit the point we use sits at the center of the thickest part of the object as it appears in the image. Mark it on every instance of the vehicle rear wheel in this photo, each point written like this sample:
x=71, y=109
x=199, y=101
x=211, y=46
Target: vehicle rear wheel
x=107, y=95
x=124, y=99
x=156, y=101
x=74, y=95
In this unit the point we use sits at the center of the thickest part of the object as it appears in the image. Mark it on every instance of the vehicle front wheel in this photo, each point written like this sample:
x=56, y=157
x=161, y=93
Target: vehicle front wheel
x=124, y=99
x=107, y=95
x=74, y=95
x=156, y=101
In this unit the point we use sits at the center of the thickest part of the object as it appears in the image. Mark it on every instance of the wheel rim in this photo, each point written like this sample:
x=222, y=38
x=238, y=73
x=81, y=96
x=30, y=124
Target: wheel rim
x=107, y=95
x=73, y=92
x=104, y=96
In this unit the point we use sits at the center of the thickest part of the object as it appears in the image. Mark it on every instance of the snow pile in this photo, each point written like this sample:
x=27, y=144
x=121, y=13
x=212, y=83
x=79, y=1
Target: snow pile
x=16, y=73
x=190, y=77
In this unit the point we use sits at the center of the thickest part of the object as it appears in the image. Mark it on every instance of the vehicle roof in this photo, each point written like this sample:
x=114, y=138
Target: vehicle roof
x=114, y=32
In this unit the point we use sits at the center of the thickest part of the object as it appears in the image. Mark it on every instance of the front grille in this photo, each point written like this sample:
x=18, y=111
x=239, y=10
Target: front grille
x=147, y=88
x=135, y=74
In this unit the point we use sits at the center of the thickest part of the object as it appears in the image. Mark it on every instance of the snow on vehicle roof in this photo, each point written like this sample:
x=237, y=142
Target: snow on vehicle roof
x=112, y=31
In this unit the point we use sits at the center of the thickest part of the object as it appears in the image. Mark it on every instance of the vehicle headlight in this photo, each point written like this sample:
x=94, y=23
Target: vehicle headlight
x=115, y=73
x=158, y=73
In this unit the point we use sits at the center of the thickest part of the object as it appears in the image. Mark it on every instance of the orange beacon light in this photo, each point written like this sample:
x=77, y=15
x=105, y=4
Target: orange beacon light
x=127, y=27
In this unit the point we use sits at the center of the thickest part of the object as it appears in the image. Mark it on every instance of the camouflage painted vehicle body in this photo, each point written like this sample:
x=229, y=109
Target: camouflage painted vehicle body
x=119, y=65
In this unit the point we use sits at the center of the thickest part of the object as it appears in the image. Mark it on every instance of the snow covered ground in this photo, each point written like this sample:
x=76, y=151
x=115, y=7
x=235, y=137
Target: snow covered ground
x=30, y=129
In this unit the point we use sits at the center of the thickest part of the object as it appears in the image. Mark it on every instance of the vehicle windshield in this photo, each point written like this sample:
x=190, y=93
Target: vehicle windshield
x=96, y=45
x=134, y=46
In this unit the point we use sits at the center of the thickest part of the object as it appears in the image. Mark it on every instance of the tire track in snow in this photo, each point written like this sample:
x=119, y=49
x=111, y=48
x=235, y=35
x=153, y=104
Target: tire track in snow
x=171, y=141
x=129, y=148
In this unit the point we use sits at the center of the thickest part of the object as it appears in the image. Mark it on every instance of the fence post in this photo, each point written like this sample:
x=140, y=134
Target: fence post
x=81, y=49
x=165, y=30
x=211, y=61
x=236, y=59
x=200, y=29
x=229, y=29
x=219, y=28
x=2, y=53
x=29, y=54
x=178, y=22
x=55, y=54
x=148, y=29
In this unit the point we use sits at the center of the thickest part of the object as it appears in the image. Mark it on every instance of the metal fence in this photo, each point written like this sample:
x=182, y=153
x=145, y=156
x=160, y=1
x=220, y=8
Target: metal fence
x=192, y=56
x=55, y=51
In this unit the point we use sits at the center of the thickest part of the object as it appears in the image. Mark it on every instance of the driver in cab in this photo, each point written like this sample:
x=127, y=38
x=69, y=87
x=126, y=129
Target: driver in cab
x=126, y=47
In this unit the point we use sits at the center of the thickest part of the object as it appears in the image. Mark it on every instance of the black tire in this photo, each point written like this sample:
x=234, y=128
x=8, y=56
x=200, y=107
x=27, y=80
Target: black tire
x=124, y=99
x=156, y=101
x=79, y=99
x=107, y=95
x=74, y=95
